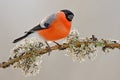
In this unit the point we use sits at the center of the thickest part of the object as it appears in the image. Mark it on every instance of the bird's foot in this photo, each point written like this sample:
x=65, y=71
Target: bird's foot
x=49, y=50
x=48, y=47
x=59, y=46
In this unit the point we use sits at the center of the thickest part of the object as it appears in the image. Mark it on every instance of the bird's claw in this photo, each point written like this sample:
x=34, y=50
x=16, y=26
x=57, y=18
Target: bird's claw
x=49, y=50
x=59, y=46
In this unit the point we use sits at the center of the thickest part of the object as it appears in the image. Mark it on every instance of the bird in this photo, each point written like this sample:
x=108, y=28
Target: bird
x=53, y=27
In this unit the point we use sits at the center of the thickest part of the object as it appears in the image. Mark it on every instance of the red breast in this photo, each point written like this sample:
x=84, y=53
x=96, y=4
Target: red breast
x=58, y=29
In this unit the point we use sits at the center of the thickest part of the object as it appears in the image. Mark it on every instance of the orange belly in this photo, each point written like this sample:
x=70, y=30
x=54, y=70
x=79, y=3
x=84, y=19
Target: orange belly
x=58, y=29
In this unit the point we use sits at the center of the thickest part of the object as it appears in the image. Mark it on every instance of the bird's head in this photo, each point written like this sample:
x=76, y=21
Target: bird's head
x=69, y=15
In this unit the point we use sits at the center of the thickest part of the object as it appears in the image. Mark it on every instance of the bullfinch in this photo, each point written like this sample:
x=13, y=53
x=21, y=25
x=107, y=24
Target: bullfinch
x=53, y=27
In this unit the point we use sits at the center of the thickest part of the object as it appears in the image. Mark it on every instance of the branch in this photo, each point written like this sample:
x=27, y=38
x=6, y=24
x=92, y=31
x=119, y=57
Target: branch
x=56, y=47
x=25, y=54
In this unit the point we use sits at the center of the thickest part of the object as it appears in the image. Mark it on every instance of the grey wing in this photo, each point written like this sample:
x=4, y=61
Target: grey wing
x=44, y=24
x=47, y=21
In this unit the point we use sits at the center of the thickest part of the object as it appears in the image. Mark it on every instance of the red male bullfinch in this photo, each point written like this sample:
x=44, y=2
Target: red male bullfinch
x=53, y=27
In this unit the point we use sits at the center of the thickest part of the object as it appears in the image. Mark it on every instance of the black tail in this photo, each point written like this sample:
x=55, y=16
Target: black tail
x=20, y=38
x=36, y=28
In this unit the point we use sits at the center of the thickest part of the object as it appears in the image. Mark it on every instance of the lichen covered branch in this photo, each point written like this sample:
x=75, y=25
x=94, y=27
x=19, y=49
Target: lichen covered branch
x=44, y=51
x=27, y=54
